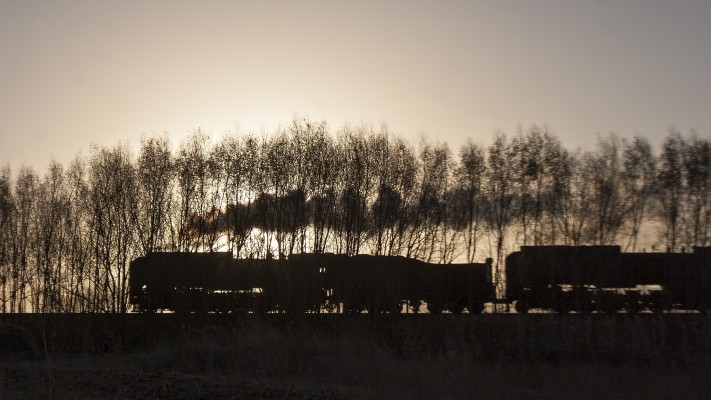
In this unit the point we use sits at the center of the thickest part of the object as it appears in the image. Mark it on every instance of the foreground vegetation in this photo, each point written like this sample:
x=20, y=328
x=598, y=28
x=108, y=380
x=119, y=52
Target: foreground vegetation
x=384, y=357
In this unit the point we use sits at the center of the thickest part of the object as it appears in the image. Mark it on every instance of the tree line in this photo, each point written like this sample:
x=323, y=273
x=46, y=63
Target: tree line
x=67, y=236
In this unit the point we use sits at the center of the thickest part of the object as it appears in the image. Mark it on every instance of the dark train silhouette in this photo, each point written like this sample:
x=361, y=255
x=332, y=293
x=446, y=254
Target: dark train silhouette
x=215, y=282
x=557, y=278
x=602, y=278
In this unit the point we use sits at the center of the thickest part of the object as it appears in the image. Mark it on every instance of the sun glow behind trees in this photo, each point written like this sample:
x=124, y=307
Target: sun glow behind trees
x=68, y=235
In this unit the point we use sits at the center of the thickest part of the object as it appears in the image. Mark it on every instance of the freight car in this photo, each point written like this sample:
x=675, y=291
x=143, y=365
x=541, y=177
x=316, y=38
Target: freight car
x=602, y=278
x=216, y=282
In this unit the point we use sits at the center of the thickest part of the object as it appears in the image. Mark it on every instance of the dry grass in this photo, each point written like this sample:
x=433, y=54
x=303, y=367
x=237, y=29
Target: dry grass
x=448, y=357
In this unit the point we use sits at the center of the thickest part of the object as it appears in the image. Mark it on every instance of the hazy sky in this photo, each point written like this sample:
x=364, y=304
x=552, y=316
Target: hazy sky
x=75, y=72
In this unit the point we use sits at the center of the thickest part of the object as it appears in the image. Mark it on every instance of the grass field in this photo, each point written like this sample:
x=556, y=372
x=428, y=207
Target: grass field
x=363, y=357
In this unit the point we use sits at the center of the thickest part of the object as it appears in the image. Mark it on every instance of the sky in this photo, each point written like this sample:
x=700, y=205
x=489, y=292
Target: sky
x=79, y=72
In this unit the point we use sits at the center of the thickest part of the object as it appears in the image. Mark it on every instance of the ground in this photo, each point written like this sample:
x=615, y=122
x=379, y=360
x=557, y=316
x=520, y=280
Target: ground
x=335, y=357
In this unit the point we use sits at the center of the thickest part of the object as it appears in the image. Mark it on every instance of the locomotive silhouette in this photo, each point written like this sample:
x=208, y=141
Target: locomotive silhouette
x=556, y=278
x=215, y=282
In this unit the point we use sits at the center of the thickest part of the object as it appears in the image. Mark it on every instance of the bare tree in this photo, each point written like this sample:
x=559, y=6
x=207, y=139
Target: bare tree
x=308, y=139
x=356, y=185
x=277, y=159
x=697, y=196
x=50, y=216
x=77, y=274
x=538, y=158
x=606, y=194
x=639, y=170
x=155, y=187
x=556, y=165
x=324, y=173
x=471, y=174
x=192, y=186
x=111, y=197
x=671, y=186
x=396, y=172
x=572, y=211
x=500, y=192
x=6, y=214
x=23, y=244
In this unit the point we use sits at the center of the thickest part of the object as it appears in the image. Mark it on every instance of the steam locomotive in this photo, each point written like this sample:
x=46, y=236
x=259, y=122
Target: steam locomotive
x=316, y=283
x=552, y=278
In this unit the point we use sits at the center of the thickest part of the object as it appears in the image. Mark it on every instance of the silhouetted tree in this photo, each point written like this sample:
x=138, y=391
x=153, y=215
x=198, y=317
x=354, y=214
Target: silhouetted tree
x=247, y=190
x=324, y=171
x=470, y=176
x=6, y=237
x=277, y=161
x=23, y=244
x=670, y=185
x=111, y=195
x=697, y=196
x=77, y=273
x=53, y=202
x=572, y=205
x=191, y=167
x=556, y=165
x=638, y=176
x=606, y=195
x=155, y=188
x=307, y=141
x=500, y=192
x=537, y=160
x=356, y=182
